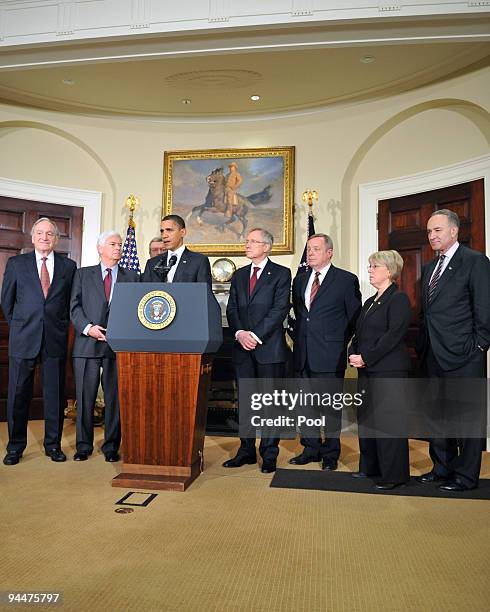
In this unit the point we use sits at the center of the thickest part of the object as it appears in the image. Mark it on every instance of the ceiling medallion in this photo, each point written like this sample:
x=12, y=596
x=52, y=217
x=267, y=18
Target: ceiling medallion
x=213, y=79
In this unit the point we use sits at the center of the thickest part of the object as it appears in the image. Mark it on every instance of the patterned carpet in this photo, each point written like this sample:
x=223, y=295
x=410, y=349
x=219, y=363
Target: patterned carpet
x=233, y=543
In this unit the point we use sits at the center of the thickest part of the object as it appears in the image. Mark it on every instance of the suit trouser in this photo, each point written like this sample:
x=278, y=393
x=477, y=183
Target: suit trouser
x=87, y=379
x=458, y=459
x=251, y=368
x=381, y=456
x=21, y=382
x=330, y=447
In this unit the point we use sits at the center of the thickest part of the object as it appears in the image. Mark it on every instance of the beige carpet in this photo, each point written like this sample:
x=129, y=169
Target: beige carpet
x=232, y=543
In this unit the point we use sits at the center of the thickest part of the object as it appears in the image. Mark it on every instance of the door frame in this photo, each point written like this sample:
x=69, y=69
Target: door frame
x=370, y=193
x=90, y=201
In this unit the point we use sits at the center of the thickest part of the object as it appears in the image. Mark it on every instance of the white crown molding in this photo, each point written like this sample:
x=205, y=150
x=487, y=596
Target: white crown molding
x=90, y=201
x=28, y=22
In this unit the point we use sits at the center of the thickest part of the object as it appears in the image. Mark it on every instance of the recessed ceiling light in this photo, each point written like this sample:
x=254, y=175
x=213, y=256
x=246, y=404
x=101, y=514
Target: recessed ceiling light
x=186, y=101
x=255, y=98
x=68, y=82
x=368, y=59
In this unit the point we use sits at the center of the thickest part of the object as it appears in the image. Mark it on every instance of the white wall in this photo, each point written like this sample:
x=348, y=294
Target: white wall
x=336, y=149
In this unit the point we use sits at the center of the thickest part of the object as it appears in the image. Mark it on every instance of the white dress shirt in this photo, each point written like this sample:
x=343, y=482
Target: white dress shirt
x=178, y=253
x=321, y=277
x=49, y=264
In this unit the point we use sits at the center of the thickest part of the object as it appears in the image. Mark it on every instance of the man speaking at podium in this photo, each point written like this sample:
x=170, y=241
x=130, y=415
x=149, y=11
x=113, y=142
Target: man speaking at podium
x=178, y=264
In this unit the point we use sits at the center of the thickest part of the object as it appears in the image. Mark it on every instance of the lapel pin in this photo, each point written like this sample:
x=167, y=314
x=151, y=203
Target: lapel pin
x=184, y=261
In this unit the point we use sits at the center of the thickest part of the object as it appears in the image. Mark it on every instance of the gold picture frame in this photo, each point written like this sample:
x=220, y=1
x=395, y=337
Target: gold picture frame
x=222, y=193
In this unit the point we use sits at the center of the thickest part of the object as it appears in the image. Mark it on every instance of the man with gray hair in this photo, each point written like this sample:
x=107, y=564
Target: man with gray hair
x=156, y=246
x=326, y=305
x=35, y=301
x=257, y=307
x=454, y=339
x=90, y=302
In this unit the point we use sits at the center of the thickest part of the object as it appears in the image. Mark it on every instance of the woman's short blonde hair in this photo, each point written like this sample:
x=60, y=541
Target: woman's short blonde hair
x=391, y=259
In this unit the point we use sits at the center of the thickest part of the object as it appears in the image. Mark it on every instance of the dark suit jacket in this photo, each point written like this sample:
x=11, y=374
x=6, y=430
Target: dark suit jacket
x=380, y=332
x=89, y=305
x=322, y=334
x=28, y=314
x=457, y=319
x=192, y=268
x=263, y=312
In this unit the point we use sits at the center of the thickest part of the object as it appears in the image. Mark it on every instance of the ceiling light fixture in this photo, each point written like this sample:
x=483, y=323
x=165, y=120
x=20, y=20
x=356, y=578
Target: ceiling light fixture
x=186, y=101
x=68, y=82
x=368, y=59
x=255, y=98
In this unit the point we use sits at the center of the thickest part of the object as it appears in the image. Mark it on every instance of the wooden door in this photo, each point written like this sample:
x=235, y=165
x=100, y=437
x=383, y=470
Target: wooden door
x=16, y=220
x=402, y=224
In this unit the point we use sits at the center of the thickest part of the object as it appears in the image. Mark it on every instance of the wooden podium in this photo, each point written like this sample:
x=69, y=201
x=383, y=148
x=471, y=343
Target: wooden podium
x=162, y=392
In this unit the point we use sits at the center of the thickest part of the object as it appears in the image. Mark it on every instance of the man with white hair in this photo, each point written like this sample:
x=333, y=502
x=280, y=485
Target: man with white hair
x=90, y=302
x=35, y=301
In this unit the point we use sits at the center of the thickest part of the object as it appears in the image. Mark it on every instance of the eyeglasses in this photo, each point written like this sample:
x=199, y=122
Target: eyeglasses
x=254, y=242
x=375, y=266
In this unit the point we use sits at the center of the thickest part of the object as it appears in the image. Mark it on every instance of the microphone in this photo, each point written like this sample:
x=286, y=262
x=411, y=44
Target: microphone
x=163, y=270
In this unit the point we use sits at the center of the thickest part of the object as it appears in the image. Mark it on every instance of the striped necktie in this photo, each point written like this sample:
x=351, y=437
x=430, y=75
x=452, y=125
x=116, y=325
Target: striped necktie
x=435, y=278
x=314, y=287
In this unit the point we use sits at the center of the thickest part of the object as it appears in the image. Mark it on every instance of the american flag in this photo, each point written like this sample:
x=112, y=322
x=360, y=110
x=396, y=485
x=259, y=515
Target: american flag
x=129, y=257
x=302, y=269
x=303, y=266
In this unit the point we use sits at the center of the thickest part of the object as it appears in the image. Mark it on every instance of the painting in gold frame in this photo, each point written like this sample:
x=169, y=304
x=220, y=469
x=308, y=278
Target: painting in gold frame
x=222, y=193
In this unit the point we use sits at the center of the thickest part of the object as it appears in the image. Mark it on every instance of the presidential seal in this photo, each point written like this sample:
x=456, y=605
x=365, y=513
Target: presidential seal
x=156, y=310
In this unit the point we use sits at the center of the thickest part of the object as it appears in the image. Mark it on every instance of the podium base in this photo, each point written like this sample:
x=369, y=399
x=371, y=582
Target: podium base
x=161, y=477
x=145, y=481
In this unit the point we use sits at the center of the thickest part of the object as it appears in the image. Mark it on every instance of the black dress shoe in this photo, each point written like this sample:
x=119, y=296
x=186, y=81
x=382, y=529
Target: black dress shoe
x=454, y=485
x=329, y=464
x=268, y=468
x=238, y=461
x=359, y=475
x=12, y=458
x=303, y=460
x=387, y=486
x=430, y=478
x=81, y=456
x=112, y=456
x=56, y=454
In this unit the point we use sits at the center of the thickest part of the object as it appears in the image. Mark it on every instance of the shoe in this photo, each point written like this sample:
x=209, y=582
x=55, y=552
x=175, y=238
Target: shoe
x=329, y=464
x=303, y=460
x=430, y=478
x=268, y=468
x=387, y=486
x=12, y=458
x=112, y=456
x=238, y=461
x=56, y=454
x=359, y=475
x=454, y=485
x=81, y=456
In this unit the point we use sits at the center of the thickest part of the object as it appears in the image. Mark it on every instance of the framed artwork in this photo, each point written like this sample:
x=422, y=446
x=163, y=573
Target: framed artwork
x=223, y=193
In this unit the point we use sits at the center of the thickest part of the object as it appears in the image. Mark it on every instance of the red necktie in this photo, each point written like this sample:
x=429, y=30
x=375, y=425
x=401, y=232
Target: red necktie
x=108, y=284
x=253, y=279
x=314, y=287
x=45, y=282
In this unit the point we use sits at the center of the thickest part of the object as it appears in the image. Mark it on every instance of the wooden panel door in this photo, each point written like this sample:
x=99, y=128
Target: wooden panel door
x=402, y=224
x=16, y=219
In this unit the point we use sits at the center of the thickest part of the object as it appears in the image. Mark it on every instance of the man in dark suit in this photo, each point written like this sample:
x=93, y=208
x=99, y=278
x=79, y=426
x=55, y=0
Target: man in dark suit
x=178, y=264
x=35, y=301
x=90, y=302
x=257, y=307
x=454, y=338
x=326, y=305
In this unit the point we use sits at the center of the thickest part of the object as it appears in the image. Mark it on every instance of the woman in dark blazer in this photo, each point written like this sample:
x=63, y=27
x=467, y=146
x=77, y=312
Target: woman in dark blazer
x=378, y=351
